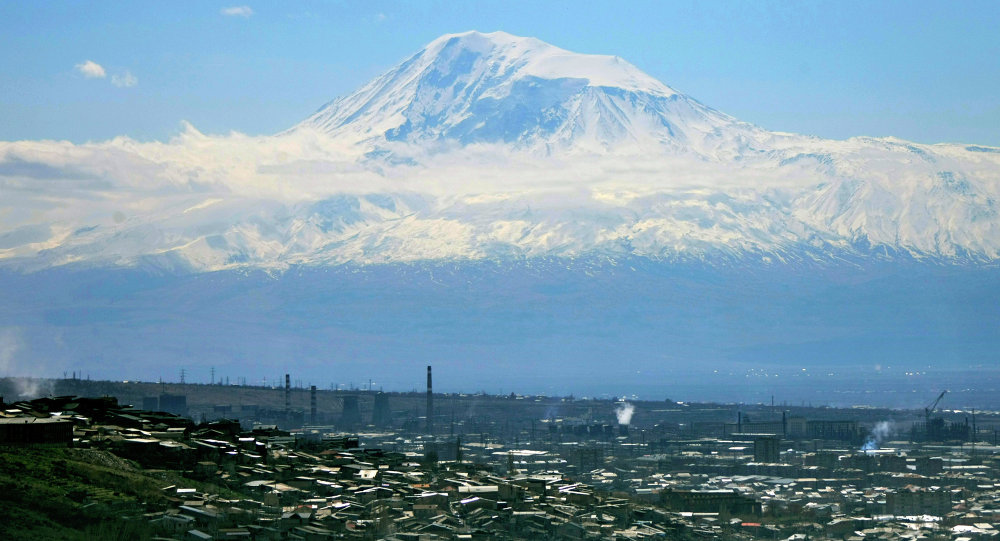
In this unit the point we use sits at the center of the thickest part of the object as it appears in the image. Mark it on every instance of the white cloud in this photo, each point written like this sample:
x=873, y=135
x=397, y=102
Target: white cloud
x=237, y=11
x=124, y=80
x=305, y=197
x=91, y=69
x=379, y=17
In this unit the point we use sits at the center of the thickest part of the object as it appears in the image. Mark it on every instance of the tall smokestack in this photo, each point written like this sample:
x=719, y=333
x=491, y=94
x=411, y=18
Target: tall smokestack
x=312, y=405
x=288, y=392
x=381, y=413
x=430, y=403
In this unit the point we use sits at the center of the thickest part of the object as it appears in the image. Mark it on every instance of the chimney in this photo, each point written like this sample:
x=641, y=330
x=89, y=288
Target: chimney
x=381, y=412
x=312, y=405
x=430, y=403
x=288, y=393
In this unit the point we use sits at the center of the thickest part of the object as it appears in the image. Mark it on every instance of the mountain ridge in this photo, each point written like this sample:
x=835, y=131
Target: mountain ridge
x=628, y=239
x=491, y=146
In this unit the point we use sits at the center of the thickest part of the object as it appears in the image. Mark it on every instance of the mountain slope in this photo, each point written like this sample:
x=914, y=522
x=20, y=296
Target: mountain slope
x=496, y=147
x=506, y=209
x=497, y=88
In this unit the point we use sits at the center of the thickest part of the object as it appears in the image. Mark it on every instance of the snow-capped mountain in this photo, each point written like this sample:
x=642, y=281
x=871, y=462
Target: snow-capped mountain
x=497, y=88
x=496, y=147
x=496, y=199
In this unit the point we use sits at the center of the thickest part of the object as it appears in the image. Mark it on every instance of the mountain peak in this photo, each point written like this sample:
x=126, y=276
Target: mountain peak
x=475, y=87
x=528, y=56
x=484, y=40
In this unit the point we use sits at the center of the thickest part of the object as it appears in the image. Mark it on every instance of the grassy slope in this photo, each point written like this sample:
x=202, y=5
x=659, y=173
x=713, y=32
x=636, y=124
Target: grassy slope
x=58, y=493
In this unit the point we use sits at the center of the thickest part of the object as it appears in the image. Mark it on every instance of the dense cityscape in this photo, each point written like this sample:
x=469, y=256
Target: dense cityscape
x=129, y=460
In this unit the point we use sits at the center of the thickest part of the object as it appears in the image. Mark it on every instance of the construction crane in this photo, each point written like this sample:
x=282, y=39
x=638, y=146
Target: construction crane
x=933, y=406
x=934, y=429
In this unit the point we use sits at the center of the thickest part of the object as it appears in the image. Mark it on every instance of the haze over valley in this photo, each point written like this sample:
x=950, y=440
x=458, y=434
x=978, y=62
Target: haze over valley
x=526, y=218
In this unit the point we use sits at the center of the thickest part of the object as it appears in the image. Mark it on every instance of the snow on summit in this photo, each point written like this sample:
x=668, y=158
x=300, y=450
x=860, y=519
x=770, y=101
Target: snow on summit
x=523, y=57
x=476, y=88
x=497, y=147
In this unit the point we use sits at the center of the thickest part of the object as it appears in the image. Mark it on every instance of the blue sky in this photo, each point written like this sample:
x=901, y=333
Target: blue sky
x=924, y=71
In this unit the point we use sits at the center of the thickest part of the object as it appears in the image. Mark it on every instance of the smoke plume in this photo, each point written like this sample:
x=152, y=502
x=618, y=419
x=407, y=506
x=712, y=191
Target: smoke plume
x=880, y=433
x=624, y=412
x=10, y=344
x=13, y=365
